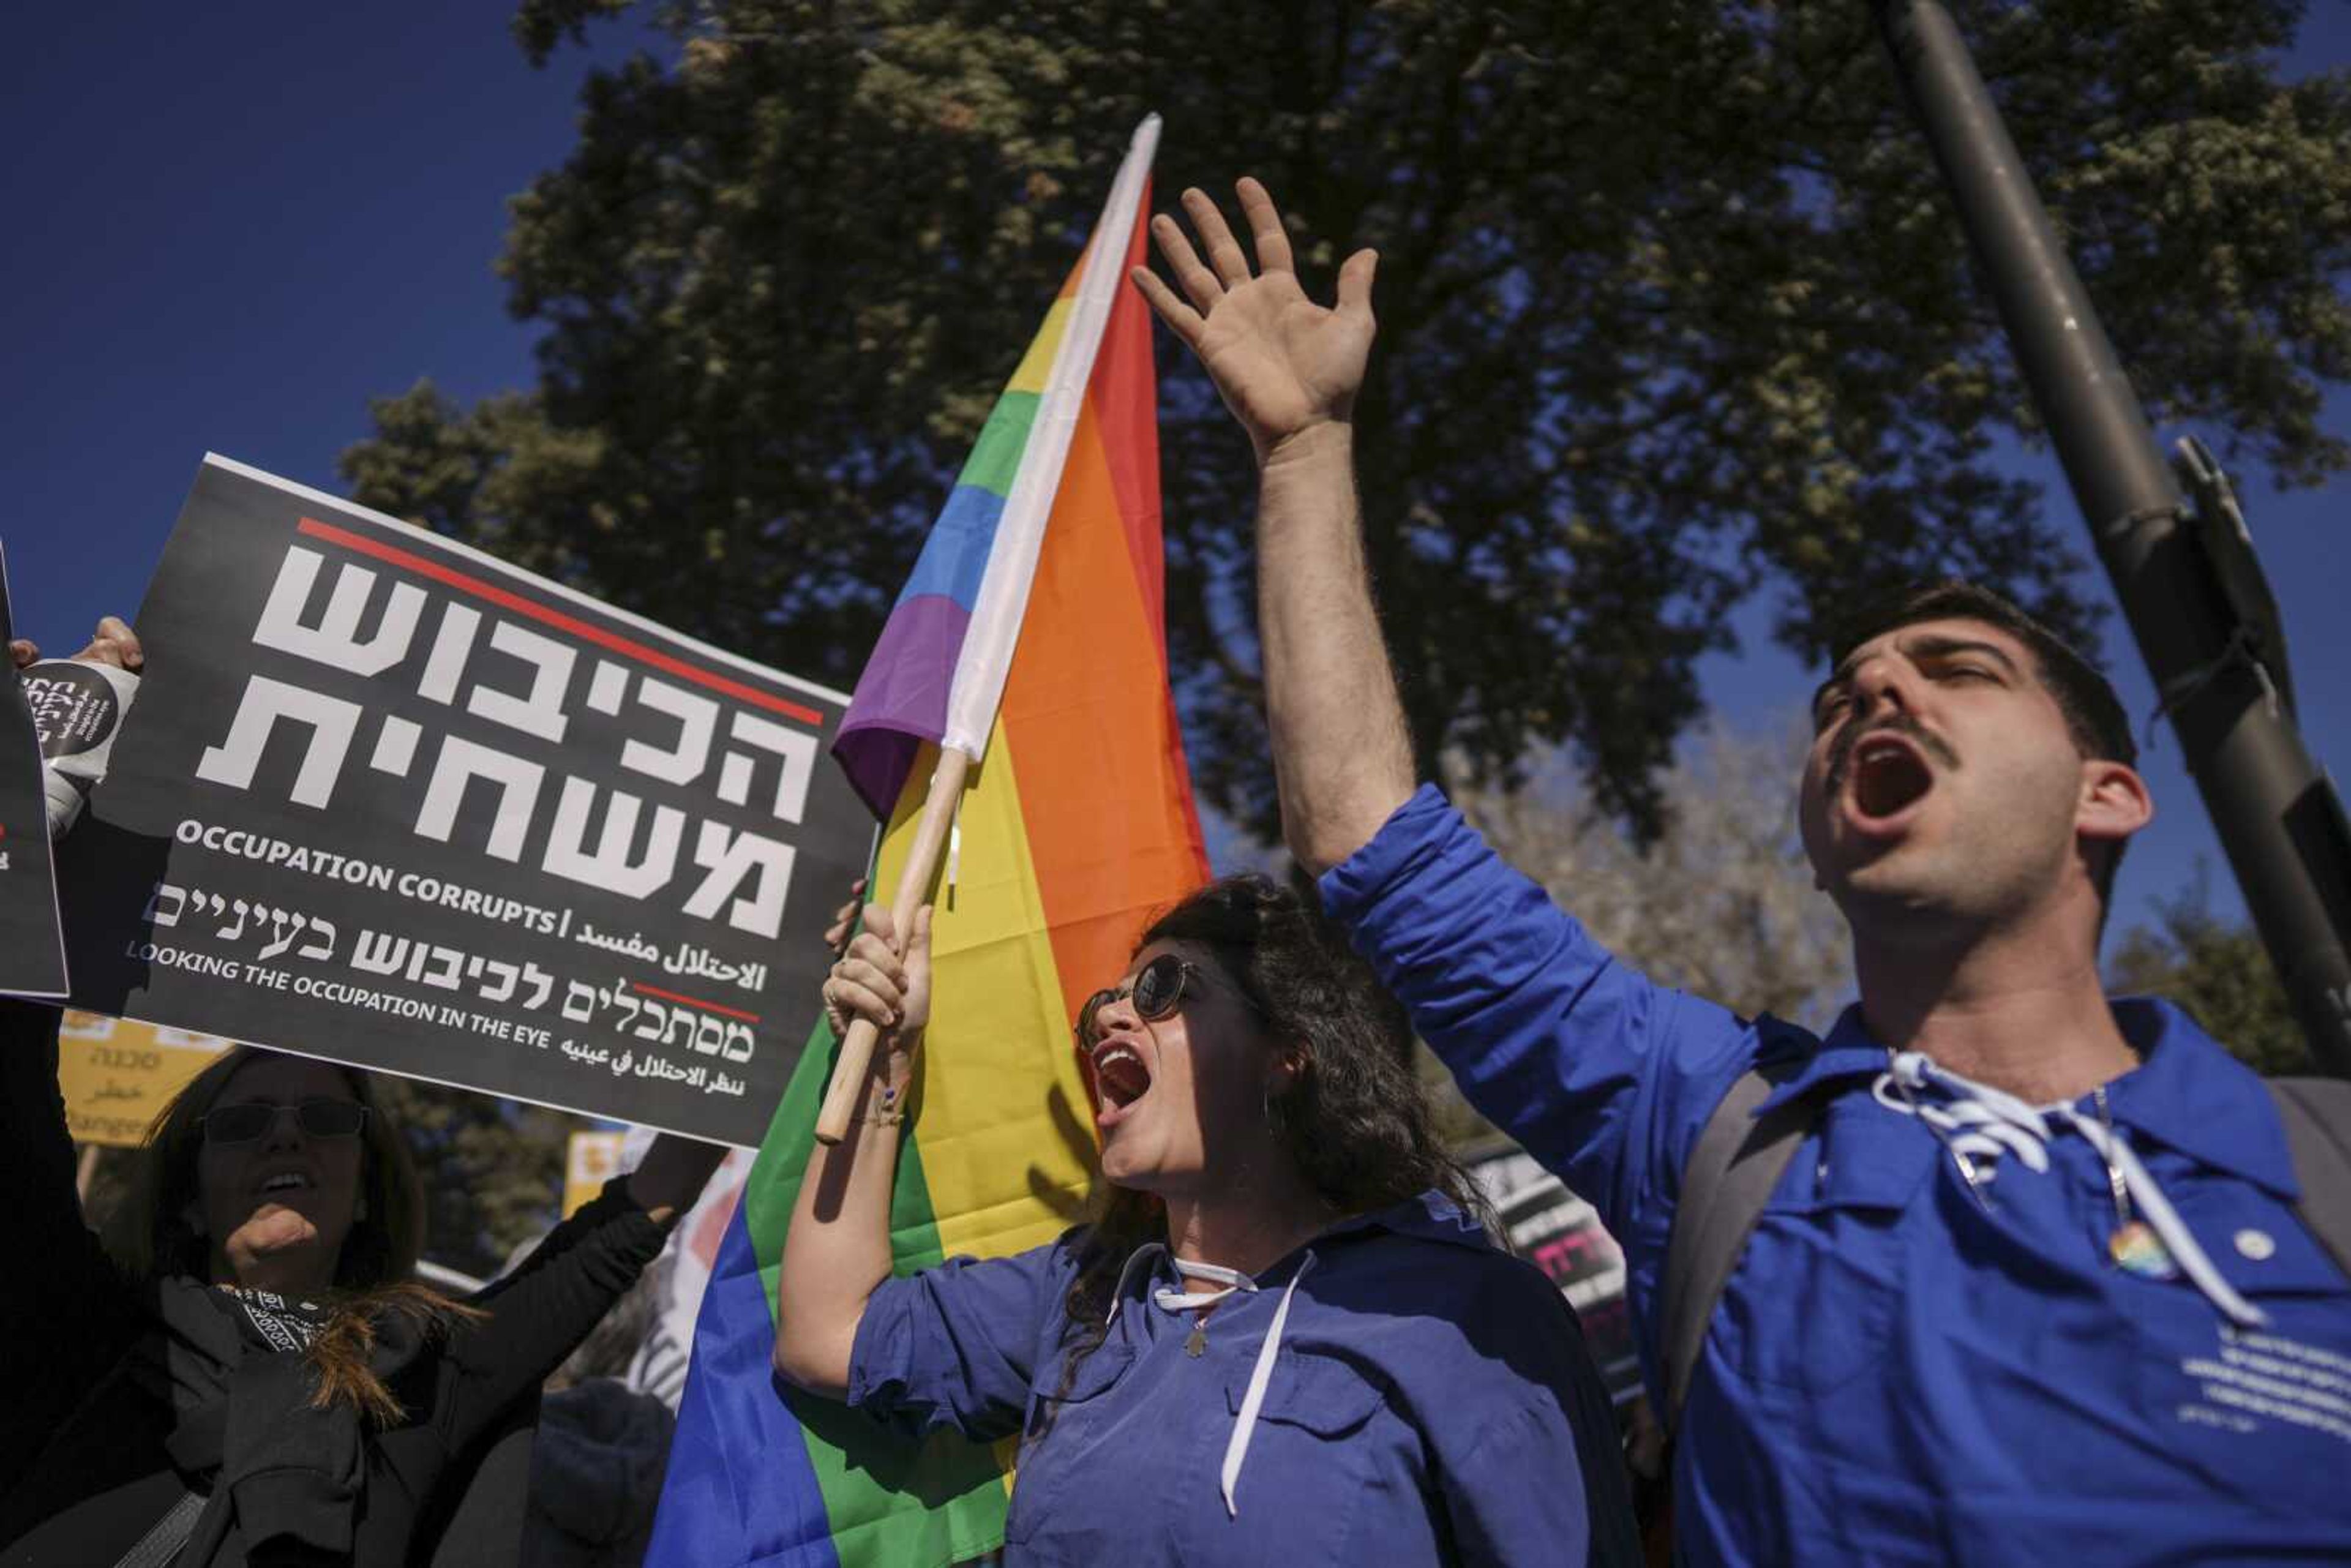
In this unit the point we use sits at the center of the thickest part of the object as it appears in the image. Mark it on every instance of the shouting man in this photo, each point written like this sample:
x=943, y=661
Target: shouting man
x=1998, y=1271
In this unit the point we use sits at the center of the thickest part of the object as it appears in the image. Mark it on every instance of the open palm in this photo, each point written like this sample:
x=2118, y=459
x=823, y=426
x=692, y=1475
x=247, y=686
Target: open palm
x=1282, y=363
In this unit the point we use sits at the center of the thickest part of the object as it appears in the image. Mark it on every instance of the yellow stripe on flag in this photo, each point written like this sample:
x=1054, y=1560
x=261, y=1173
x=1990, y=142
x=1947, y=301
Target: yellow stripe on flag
x=1005, y=1130
x=1038, y=362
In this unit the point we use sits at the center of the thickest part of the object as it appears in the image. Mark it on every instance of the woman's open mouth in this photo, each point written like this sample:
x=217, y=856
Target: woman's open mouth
x=1121, y=1078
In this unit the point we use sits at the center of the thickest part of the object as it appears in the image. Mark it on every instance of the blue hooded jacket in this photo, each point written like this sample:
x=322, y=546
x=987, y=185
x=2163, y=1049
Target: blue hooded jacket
x=1925, y=1354
x=1429, y=1401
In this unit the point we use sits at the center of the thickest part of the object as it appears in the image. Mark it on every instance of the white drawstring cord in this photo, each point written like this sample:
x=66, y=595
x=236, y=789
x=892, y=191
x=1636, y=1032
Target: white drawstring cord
x=1259, y=1376
x=1127, y=1272
x=1984, y=1122
x=1226, y=1282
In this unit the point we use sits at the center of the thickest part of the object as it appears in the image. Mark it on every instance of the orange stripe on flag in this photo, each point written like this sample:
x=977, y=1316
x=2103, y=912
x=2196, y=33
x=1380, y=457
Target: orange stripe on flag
x=1088, y=714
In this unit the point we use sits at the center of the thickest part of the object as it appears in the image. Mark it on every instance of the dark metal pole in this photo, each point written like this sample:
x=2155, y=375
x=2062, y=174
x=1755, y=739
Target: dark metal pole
x=2278, y=817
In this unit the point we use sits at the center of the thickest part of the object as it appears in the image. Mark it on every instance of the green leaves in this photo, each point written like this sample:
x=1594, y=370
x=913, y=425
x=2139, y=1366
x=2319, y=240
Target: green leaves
x=492, y=1169
x=2219, y=973
x=1673, y=315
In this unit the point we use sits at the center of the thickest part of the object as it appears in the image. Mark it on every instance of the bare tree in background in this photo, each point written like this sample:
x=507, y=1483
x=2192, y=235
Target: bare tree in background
x=1722, y=905
x=2217, y=969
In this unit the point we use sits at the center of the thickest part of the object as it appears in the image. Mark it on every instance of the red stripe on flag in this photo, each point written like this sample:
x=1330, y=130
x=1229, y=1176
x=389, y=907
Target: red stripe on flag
x=611, y=641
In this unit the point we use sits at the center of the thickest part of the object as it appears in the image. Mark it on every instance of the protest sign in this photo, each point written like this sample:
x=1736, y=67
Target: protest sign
x=387, y=800
x=32, y=953
x=116, y=1075
x=1561, y=1235
x=77, y=707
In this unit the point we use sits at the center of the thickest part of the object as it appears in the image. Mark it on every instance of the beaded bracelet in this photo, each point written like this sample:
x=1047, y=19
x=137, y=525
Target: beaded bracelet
x=889, y=1115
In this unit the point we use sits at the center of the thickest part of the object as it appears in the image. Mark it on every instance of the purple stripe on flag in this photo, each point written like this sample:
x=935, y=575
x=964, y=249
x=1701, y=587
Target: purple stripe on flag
x=900, y=699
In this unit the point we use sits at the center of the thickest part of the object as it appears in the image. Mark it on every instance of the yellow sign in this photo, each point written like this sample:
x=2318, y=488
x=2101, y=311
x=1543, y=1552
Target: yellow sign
x=118, y=1075
x=594, y=1159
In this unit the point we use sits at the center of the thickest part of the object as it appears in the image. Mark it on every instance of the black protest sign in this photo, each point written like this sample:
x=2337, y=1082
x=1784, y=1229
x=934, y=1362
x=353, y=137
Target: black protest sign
x=32, y=954
x=1561, y=1235
x=385, y=799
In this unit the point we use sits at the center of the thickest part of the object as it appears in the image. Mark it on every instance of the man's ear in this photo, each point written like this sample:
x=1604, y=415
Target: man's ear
x=2114, y=803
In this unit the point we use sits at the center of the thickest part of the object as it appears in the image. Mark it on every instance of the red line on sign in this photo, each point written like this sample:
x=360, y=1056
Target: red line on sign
x=578, y=628
x=693, y=1001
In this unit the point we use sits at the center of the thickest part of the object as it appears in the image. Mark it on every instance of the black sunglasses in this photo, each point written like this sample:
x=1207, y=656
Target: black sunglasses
x=319, y=1118
x=1157, y=990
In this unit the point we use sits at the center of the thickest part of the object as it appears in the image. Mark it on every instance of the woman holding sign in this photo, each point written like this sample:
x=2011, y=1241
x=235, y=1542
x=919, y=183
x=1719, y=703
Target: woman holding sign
x=1285, y=1337
x=253, y=1373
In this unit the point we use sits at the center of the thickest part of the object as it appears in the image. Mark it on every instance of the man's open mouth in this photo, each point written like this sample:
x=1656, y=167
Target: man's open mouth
x=1120, y=1074
x=1889, y=776
x=285, y=1182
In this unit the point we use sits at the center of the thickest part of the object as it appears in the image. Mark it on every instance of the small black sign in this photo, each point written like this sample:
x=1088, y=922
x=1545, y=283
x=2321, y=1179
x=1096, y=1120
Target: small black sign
x=32, y=954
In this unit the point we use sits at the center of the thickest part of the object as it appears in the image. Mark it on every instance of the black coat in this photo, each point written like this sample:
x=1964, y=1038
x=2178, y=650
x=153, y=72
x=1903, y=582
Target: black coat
x=95, y=1447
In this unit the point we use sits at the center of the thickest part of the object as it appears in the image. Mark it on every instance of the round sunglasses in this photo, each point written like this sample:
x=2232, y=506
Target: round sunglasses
x=1157, y=989
x=317, y=1118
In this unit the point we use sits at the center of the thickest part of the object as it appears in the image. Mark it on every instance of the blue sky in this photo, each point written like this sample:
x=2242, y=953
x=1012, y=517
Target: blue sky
x=235, y=225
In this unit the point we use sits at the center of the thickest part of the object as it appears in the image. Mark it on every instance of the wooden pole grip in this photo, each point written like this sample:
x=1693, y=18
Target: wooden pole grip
x=856, y=1058
x=848, y=1082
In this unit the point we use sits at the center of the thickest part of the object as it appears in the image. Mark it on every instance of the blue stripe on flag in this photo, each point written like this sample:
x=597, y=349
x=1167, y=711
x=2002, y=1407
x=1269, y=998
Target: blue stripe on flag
x=955, y=554
x=741, y=1492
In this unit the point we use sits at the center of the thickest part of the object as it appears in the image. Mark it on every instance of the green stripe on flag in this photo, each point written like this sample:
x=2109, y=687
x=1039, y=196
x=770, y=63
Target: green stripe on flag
x=889, y=1502
x=997, y=454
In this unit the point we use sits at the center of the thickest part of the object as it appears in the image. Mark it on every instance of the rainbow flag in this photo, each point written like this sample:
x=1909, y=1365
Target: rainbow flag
x=1077, y=821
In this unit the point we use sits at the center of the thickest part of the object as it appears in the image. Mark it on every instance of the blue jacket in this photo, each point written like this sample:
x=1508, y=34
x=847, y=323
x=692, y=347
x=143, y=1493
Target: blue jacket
x=1898, y=1372
x=1430, y=1402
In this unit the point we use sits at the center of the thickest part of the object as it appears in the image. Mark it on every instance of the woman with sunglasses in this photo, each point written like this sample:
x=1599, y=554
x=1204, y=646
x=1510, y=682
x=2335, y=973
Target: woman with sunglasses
x=1284, y=1336
x=248, y=1364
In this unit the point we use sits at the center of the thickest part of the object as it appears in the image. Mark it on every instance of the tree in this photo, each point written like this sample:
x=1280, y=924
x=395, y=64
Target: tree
x=1674, y=315
x=2219, y=973
x=1722, y=904
x=492, y=1169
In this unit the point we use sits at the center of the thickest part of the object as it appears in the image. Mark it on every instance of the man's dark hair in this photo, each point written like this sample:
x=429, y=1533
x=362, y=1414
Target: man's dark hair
x=2094, y=714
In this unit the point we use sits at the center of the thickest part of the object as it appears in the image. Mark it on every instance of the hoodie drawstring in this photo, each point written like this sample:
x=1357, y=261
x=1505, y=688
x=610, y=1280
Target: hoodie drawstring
x=1225, y=1282
x=1260, y=1374
x=1978, y=1122
x=1127, y=1272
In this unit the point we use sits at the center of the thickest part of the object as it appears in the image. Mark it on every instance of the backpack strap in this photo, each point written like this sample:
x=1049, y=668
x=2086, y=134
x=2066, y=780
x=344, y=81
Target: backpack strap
x=2318, y=1116
x=163, y=1544
x=1738, y=1160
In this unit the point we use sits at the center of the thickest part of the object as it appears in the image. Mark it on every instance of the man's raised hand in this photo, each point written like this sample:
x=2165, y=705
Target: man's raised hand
x=1284, y=364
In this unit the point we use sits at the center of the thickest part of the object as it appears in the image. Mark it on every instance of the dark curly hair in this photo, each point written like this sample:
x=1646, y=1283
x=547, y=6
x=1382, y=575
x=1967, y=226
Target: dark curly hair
x=1355, y=1119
